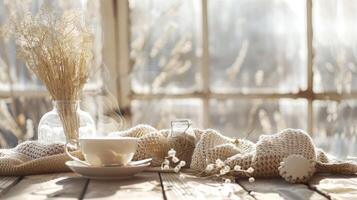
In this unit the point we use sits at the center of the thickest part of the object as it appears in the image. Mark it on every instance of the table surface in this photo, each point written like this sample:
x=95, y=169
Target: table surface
x=154, y=185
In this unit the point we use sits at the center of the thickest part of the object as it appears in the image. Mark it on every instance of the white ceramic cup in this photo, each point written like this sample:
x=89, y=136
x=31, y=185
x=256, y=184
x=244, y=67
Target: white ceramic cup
x=105, y=151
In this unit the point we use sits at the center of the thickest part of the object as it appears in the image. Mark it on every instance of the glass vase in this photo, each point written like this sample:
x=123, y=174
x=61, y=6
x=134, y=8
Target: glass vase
x=77, y=123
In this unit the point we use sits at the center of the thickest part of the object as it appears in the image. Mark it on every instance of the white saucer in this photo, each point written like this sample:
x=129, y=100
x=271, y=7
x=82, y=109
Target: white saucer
x=115, y=172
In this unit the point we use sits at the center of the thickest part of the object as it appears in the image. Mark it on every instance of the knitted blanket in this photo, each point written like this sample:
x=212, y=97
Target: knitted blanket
x=197, y=147
x=273, y=155
x=267, y=156
x=32, y=157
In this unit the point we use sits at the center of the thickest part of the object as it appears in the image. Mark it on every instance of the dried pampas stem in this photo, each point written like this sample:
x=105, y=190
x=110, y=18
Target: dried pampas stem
x=58, y=50
x=67, y=111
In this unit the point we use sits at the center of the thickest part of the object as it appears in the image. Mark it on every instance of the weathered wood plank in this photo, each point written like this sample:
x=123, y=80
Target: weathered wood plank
x=171, y=170
x=142, y=186
x=6, y=182
x=60, y=186
x=184, y=186
x=279, y=189
x=336, y=186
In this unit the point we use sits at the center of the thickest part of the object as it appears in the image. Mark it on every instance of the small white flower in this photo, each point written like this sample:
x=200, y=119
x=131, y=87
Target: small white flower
x=251, y=179
x=237, y=168
x=227, y=168
x=209, y=167
x=171, y=153
x=222, y=172
x=177, y=169
x=182, y=163
x=227, y=180
x=250, y=170
x=166, y=162
x=219, y=163
x=175, y=159
x=166, y=167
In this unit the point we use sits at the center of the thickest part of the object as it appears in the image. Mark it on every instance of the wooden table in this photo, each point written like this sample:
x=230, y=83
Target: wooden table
x=153, y=185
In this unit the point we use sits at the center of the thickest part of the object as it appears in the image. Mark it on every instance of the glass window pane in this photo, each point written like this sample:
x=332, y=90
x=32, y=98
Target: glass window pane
x=159, y=113
x=335, y=45
x=165, y=45
x=257, y=45
x=19, y=119
x=14, y=73
x=336, y=127
x=236, y=118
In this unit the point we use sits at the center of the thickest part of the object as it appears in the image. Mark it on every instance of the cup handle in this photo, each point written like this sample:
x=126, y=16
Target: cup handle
x=70, y=155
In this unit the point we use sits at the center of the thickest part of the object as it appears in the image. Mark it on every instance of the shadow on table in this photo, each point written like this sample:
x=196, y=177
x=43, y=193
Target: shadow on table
x=78, y=187
x=72, y=187
x=278, y=188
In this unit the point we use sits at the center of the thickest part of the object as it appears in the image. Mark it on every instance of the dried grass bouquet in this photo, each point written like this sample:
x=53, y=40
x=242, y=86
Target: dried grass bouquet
x=57, y=48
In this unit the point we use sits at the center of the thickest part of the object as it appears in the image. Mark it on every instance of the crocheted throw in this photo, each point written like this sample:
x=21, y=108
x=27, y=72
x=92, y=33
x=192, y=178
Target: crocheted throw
x=273, y=155
x=202, y=147
x=32, y=157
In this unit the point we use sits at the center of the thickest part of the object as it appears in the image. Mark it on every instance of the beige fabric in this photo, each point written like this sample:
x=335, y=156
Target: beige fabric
x=264, y=156
x=212, y=146
x=197, y=147
x=32, y=157
x=202, y=147
x=271, y=149
x=155, y=144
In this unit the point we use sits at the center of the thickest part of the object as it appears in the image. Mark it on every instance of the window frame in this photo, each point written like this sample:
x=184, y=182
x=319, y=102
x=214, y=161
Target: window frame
x=206, y=94
x=116, y=55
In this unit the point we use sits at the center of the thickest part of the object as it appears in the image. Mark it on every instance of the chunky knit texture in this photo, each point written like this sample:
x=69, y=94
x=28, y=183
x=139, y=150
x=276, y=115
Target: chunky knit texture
x=272, y=149
x=197, y=147
x=33, y=157
x=264, y=156
x=155, y=144
x=202, y=147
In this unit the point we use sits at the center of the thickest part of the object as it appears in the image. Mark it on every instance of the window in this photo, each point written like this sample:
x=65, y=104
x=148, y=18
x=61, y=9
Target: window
x=230, y=62
x=335, y=75
x=247, y=67
x=244, y=67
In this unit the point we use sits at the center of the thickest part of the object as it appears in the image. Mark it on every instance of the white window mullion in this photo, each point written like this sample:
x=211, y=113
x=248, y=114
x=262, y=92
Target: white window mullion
x=310, y=82
x=109, y=50
x=205, y=70
x=123, y=58
x=334, y=96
